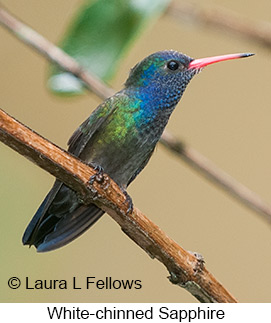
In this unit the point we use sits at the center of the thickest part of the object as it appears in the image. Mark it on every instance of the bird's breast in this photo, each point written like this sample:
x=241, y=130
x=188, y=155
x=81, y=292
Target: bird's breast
x=120, y=148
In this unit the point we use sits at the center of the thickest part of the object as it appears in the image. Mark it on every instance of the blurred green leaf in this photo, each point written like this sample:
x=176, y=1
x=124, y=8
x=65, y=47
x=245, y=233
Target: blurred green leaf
x=99, y=36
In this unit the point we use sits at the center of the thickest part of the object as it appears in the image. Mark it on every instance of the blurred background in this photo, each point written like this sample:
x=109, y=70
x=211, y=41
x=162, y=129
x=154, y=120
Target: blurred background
x=225, y=114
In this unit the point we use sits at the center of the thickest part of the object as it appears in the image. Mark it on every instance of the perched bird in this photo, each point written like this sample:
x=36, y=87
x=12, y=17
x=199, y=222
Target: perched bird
x=118, y=138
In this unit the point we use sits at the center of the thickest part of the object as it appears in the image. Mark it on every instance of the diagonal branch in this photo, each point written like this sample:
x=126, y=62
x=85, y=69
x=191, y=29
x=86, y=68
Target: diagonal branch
x=53, y=53
x=185, y=269
x=195, y=159
x=217, y=176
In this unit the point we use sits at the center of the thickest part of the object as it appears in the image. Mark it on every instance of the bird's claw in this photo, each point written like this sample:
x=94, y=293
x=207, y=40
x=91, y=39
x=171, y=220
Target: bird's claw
x=99, y=177
x=129, y=201
x=200, y=261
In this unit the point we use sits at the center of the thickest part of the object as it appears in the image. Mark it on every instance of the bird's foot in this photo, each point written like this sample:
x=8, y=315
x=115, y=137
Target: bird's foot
x=129, y=201
x=99, y=176
x=200, y=261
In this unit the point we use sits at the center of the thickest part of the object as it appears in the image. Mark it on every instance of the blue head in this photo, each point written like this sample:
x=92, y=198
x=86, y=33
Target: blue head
x=161, y=78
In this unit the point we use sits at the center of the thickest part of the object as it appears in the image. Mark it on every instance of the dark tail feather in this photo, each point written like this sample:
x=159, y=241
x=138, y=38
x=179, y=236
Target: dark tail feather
x=59, y=219
x=29, y=231
x=70, y=227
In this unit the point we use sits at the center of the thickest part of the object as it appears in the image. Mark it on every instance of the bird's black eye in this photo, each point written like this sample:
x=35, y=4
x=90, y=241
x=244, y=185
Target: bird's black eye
x=173, y=65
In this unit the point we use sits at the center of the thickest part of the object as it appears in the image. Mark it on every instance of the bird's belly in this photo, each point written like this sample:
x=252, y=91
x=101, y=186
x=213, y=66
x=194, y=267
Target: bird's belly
x=120, y=160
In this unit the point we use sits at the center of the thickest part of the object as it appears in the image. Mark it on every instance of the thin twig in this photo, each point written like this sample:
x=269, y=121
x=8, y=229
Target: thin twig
x=185, y=269
x=53, y=53
x=199, y=162
x=223, y=180
x=257, y=31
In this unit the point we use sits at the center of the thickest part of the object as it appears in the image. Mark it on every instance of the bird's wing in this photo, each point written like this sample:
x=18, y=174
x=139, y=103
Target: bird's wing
x=61, y=218
x=84, y=133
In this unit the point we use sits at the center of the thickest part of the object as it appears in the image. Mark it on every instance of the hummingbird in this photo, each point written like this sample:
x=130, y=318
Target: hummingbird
x=118, y=138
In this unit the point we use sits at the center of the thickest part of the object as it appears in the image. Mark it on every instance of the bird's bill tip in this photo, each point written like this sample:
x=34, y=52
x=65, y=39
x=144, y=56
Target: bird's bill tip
x=247, y=54
x=202, y=62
